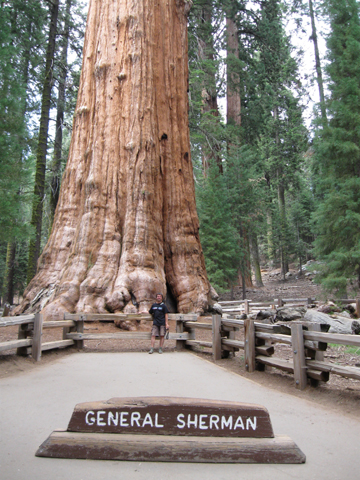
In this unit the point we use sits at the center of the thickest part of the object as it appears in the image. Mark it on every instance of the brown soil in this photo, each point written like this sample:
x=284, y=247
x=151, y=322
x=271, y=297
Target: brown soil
x=338, y=393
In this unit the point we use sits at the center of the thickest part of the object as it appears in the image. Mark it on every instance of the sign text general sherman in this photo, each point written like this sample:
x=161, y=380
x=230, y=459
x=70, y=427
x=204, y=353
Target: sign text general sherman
x=172, y=416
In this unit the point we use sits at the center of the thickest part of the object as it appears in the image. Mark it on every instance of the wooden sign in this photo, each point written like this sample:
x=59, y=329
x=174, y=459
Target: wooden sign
x=163, y=429
x=172, y=416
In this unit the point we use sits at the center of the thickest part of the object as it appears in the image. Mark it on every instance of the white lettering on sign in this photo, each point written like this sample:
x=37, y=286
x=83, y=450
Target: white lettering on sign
x=214, y=420
x=192, y=422
x=226, y=423
x=147, y=420
x=90, y=420
x=181, y=423
x=125, y=419
x=114, y=419
x=252, y=423
x=135, y=418
x=123, y=422
x=202, y=424
x=157, y=425
x=239, y=423
x=99, y=420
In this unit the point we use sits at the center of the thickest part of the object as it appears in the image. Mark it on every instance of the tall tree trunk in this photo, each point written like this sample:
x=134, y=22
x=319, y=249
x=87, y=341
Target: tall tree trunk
x=233, y=102
x=211, y=149
x=39, y=188
x=56, y=163
x=269, y=235
x=126, y=225
x=254, y=248
x=282, y=208
x=9, y=273
x=282, y=226
x=319, y=78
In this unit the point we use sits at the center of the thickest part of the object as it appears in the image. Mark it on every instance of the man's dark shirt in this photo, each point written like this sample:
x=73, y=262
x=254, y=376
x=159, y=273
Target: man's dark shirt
x=158, y=311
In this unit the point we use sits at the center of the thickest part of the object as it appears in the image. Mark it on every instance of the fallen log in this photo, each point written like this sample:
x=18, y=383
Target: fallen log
x=337, y=324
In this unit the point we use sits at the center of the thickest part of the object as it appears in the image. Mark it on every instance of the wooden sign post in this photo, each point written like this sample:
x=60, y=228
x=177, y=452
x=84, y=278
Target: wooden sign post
x=163, y=429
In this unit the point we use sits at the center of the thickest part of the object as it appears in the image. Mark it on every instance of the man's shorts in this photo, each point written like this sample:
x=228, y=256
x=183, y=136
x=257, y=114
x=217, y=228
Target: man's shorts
x=157, y=331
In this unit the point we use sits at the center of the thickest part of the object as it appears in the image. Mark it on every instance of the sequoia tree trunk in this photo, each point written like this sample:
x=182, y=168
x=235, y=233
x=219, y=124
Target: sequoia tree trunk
x=126, y=225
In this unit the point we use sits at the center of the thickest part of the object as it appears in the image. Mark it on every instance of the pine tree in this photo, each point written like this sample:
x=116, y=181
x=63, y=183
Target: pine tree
x=42, y=144
x=337, y=154
x=21, y=39
x=219, y=238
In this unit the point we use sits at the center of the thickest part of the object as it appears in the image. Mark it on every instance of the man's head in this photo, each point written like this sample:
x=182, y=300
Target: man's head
x=159, y=298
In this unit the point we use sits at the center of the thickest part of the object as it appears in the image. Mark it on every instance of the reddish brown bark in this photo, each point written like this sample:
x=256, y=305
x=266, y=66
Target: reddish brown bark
x=126, y=225
x=233, y=100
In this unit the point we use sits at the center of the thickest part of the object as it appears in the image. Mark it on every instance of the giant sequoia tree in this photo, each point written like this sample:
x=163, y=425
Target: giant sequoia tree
x=126, y=224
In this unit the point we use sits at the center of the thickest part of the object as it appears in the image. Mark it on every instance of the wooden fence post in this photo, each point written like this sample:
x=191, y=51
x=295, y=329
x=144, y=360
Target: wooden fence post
x=80, y=329
x=6, y=310
x=36, y=341
x=180, y=344
x=249, y=345
x=246, y=307
x=216, y=337
x=297, y=339
x=316, y=375
x=23, y=333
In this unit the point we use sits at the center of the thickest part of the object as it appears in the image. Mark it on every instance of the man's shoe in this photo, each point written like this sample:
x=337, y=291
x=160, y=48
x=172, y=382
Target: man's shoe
x=160, y=350
x=151, y=350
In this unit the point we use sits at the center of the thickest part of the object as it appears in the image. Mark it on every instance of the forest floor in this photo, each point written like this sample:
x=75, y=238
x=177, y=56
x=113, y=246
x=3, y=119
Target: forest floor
x=338, y=392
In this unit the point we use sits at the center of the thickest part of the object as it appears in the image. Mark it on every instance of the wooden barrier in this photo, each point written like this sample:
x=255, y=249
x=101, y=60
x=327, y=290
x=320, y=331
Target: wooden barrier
x=307, y=347
x=30, y=335
x=248, y=306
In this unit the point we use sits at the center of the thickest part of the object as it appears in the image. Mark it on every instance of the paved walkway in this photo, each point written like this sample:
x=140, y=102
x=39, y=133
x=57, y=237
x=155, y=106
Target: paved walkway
x=34, y=404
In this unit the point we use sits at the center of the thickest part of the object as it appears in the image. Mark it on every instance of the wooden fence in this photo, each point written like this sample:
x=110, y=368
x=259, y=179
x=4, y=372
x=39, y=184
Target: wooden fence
x=308, y=342
x=31, y=329
x=308, y=347
x=248, y=306
x=30, y=334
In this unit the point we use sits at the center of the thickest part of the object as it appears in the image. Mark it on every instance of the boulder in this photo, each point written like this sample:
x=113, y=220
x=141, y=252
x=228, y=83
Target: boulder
x=288, y=314
x=329, y=308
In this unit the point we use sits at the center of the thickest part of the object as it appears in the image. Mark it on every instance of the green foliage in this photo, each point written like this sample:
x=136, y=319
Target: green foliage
x=15, y=163
x=218, y=237
x=337, y=155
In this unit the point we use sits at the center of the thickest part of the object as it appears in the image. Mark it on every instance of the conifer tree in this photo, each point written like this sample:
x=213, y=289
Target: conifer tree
x=39, y=187
x=337, y=154
x=219, y=238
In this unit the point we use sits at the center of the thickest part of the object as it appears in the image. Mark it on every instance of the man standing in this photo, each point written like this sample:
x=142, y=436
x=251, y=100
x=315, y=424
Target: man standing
x=159, y=312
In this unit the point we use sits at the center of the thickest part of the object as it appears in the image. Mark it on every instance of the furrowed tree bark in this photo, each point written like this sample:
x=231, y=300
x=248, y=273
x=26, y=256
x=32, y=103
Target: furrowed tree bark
x=126, y=225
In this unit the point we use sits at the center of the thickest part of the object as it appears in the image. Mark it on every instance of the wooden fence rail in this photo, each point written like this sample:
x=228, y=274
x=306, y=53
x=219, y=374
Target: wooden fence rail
x=307, y=348
x=248, y=306
x=30, y=335
x=259, y=344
